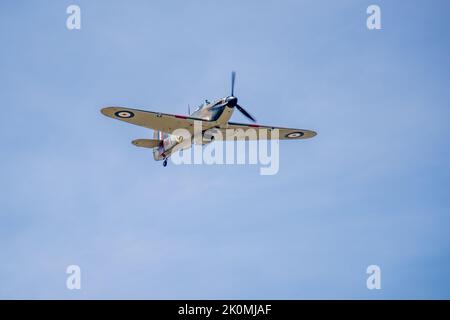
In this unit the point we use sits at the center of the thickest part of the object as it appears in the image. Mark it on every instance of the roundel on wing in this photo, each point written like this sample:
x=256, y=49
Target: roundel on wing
x=296, y=134
x=124, y=114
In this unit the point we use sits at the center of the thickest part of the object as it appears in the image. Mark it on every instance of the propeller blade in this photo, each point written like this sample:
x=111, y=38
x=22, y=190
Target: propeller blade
x=245, y=113
x=233, y=77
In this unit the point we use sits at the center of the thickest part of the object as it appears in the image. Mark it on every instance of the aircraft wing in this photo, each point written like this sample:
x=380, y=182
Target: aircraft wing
x=263, y=132
x=153, y=120
x=169, y=122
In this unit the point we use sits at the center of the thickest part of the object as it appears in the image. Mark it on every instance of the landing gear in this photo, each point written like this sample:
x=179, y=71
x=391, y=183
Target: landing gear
x=165, y=163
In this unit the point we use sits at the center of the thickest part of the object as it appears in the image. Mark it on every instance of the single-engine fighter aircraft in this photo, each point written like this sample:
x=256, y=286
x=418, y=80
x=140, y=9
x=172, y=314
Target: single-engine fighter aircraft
x=212, y=116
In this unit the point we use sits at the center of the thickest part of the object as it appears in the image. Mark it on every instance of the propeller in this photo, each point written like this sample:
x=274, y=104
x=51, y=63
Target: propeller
x=231, y=101
x=233, y=77
x=245, y=113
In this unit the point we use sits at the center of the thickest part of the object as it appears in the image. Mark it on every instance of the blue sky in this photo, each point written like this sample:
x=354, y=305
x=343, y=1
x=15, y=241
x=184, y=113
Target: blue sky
x=371, y=188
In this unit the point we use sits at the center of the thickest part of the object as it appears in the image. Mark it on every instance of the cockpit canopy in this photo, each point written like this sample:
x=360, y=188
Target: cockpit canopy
x=208, y=104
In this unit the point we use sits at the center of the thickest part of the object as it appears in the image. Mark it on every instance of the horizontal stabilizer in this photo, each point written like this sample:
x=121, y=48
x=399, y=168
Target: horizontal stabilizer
x=146, y=143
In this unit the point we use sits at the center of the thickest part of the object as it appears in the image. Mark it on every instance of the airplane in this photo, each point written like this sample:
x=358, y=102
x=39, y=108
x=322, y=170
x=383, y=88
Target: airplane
x=213, y=116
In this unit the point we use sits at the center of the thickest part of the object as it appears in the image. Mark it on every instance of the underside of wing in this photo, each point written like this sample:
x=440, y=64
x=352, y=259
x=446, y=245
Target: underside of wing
x=152, y=120
x=233, y=131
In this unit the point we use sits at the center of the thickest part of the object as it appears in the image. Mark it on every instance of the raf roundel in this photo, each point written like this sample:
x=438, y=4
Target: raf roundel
x=294, y=135
x=124, y=114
